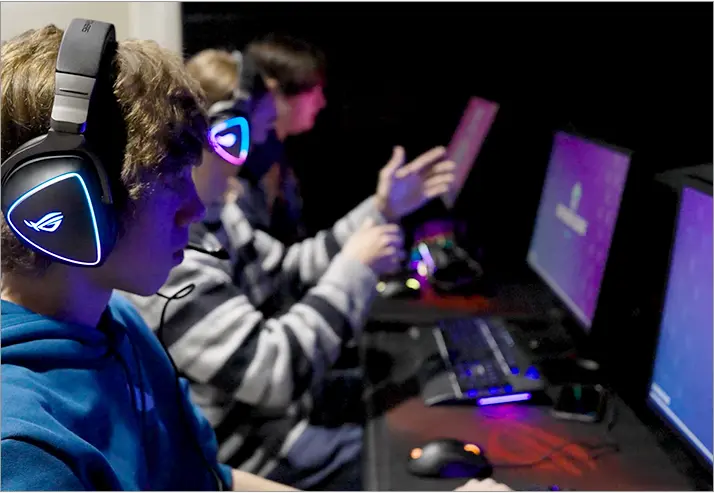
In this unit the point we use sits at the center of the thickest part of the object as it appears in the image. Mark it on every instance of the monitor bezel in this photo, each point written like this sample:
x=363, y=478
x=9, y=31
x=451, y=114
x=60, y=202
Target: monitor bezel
x=582, y=327
x=654, y=410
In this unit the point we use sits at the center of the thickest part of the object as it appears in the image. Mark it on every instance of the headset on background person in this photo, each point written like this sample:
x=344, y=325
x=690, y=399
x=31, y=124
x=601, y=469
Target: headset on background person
x=229, y=134
x=242, y=129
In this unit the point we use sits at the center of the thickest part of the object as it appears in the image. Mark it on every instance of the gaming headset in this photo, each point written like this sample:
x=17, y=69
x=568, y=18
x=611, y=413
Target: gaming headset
x=229, y=133
x=56, y=192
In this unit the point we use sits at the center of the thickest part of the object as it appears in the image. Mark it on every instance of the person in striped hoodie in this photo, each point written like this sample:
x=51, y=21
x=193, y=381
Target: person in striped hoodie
x=258, y=332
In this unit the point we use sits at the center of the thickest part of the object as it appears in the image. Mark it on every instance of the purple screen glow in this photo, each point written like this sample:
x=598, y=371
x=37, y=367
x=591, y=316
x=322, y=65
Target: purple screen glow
x=681, y=384
x=576, y=219
x=466, y=142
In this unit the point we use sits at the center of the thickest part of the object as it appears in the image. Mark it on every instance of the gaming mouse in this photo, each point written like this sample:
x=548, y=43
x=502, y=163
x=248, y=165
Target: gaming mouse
x=448, y=458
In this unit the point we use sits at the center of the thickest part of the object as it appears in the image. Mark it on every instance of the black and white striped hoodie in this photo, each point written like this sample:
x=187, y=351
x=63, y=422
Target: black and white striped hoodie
x=253, y=363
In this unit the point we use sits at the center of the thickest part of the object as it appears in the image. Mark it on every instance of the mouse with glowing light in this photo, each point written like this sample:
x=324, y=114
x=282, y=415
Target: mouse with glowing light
x=448, y=458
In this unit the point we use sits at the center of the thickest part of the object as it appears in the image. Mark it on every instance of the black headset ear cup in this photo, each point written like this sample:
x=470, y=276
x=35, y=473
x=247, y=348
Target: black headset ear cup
x=229, y=134
x=111, y=232
x=54, y=202
x=110, y=228
x=248, y=72
x=56, y=194
x=30, y=143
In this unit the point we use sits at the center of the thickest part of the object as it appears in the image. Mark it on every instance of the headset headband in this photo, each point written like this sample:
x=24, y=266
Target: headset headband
x=229, y=135
x=56, y=190
x=82, y=71
x=84, y=49
x=250, y=83
x=238, y=57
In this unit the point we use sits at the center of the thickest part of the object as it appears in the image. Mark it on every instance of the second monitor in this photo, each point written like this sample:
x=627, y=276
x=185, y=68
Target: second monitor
x=576, y=220
x=569, y=249
x=681, y=385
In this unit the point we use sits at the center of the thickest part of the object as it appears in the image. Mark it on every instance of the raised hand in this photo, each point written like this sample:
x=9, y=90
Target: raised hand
x=402, y=189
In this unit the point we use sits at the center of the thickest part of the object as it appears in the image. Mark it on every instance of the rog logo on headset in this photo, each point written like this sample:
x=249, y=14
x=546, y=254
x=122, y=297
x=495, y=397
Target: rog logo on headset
x=49, y=222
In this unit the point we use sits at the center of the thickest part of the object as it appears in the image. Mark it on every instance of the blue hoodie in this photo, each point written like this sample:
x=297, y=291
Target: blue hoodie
x=97, y=408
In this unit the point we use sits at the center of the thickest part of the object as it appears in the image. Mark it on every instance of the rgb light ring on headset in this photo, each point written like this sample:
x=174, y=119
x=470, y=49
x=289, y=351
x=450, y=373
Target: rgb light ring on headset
x=213, y=138
x=93, y=217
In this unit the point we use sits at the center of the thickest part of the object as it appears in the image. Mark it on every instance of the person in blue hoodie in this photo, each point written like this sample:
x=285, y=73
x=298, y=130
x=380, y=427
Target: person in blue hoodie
x=90, y=400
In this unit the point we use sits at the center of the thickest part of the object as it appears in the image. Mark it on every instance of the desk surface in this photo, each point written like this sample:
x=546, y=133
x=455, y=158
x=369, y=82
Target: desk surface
x=513, y=299
x=398, y=421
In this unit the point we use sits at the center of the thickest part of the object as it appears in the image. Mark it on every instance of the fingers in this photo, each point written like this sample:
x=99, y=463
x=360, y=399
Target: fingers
x=387, y=234
x=444, y=167
x=382, y=235
x=485, y=485
x=395, y=162
x=394, y=257
x=388, y=229
x=366, y=224
x=438, y=185
x=392, y=242
x=424, y=161
x=395, y=240
x=439, y=168
x=391, y=234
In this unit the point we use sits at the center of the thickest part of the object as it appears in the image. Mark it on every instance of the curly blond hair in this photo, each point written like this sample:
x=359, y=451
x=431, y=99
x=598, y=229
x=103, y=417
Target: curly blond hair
x=162, y=107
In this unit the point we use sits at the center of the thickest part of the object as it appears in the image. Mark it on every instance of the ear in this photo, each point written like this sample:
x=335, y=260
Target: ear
x=271, y=83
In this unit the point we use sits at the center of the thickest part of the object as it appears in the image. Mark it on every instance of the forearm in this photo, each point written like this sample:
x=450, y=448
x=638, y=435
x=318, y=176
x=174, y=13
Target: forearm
x=218, y=338
x=245, y=481
x=308, y=260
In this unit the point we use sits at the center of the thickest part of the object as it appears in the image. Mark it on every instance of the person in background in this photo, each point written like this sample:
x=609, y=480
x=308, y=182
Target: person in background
x=259, y=332
x=294, y=72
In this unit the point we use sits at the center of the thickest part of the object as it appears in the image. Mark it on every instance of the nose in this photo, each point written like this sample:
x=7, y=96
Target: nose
x=192, y=210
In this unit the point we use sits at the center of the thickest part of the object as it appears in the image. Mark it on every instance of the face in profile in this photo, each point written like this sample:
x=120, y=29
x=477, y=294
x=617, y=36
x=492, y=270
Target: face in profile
x=301, y=110
x=155, y=233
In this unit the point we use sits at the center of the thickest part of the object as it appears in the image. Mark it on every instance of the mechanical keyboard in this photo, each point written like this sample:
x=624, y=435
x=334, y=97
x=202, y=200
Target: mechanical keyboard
x=482, y=364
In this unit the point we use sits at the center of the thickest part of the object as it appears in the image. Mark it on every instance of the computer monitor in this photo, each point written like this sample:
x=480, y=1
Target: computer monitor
x=576, y=219
x=466, y=142
x=681, y=385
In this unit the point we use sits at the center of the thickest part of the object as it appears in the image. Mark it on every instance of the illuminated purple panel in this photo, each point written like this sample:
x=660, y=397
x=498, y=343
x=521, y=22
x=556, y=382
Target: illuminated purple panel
x=467, y=141
x=576, y=219
x=504, y=399
x=682, y=377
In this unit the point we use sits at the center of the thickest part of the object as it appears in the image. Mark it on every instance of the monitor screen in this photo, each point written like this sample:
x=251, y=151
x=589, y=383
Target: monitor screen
x=681, y=387
x=576, y=220
x=467, y=141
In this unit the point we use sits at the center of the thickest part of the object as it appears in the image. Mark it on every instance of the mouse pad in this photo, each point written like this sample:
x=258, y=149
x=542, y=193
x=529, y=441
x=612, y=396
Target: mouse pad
x=513, y=434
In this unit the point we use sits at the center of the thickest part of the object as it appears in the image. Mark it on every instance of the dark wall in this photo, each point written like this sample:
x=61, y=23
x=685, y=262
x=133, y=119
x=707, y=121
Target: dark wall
x=636, y=75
